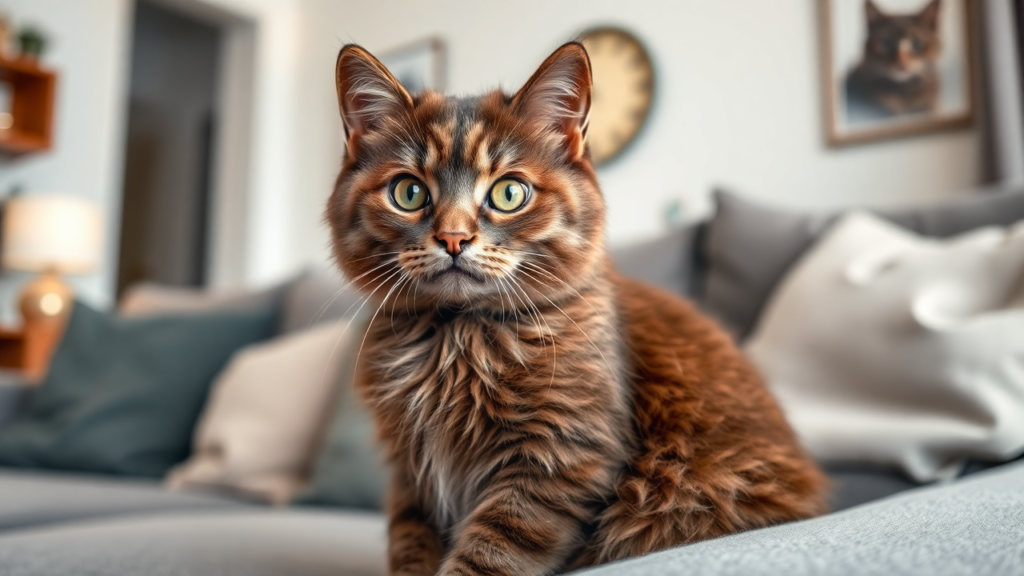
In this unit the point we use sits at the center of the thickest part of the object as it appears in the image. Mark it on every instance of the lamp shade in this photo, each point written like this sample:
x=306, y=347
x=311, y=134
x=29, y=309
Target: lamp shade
x=58, y=233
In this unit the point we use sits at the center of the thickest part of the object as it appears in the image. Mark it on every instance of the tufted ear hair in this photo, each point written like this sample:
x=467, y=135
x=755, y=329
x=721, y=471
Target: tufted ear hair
x=368, y=95
x=558, y=96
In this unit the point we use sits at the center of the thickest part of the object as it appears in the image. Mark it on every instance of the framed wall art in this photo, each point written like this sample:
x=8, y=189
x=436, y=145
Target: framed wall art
x=895, y=67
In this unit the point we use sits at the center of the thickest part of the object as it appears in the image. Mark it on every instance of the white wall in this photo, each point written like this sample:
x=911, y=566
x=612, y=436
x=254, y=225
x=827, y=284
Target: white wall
x=88, y=49
x=737, y=102
x=276, y=148
x=91, y=43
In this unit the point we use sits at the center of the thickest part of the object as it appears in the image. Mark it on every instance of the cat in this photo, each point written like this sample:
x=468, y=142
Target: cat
x=897, y=73
x=540, y=412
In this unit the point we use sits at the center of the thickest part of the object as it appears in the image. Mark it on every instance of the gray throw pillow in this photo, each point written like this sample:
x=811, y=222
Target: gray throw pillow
x=668, y=261
x=749, y=246
x=123, y=394
x=349, y=471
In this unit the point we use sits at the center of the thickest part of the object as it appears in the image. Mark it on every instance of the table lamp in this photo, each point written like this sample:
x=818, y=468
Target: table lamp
x=52, y=235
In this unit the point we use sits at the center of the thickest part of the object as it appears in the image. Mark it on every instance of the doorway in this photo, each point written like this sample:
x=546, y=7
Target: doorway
x=187, y=145
x=172, y=122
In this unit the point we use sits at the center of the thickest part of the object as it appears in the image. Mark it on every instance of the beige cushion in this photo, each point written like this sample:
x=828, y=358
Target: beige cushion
x=266, y=411
x=889, y=348
x=150, y=298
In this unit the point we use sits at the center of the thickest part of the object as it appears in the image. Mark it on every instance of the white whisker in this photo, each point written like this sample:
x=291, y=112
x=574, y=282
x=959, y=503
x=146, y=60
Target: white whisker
x=554, y=348
x=537, y=268
x=323, y=309
x=374, y=317
x=341, y=337
x=582, y=331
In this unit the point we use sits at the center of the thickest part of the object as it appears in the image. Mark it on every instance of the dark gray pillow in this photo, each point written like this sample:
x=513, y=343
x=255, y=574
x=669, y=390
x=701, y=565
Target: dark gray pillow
x=749, y=247
x=349, y=470
x=668, y=261
x=123, y=394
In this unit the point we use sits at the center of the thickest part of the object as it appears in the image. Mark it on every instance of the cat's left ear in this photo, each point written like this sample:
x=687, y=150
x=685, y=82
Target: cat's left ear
x=368, y=94
x=930, y=14
x=558, y=96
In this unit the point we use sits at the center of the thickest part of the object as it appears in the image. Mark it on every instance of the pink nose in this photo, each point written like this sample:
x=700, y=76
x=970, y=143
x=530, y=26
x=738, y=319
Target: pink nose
x=453, y=241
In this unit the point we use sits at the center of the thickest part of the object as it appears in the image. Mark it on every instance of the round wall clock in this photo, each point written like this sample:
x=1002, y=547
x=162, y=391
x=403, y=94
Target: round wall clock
x=623, y=89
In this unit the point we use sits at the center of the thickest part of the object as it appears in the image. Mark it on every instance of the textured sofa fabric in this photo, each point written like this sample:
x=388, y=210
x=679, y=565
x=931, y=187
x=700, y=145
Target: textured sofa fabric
x=209, y=543
x=973, y=526
x=30, y=499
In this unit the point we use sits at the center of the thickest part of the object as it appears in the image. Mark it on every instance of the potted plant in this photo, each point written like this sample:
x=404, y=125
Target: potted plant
x=32, y=42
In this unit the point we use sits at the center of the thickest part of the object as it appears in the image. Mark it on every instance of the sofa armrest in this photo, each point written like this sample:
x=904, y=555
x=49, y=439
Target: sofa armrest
x=971, y=526
x=14, y=393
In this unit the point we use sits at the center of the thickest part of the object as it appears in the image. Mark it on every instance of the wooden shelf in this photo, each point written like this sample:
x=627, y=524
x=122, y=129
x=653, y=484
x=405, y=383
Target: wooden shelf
x=28, y=349
x=33, y=89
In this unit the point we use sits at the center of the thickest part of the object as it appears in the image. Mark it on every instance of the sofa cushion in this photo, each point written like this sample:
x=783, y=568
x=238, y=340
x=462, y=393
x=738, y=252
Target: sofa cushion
x=260, y=427
x=348, y=470
x=29, y=499
x=152, y=299
x=886, y=347
x=972, y=526
x=317, y=296
x=122, y=395
x=15, y=392
x=668, y=261
x=225, y=543
x=750, y=246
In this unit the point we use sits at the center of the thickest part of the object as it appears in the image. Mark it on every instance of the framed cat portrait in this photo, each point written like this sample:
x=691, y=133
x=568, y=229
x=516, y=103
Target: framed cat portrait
x=894, y=68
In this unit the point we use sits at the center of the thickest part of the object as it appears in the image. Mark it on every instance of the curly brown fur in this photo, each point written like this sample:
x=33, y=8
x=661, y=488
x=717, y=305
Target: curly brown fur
x=540, y=411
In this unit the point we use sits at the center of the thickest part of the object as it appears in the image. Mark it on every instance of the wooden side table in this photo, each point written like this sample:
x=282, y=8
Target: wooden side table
x=28, y=349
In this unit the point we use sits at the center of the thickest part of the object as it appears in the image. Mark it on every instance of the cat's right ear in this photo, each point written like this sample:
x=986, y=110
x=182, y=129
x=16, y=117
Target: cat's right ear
x=874, y=14
x=367, y=93
x=558, y=96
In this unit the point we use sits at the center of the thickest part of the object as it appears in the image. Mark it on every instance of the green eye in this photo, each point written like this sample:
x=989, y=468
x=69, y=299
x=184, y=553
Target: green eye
x=409, y=193
x=508, y=195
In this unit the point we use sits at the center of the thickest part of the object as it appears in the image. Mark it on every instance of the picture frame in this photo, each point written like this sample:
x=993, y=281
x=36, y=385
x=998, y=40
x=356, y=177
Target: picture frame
x=418, y=66
x=896, y=68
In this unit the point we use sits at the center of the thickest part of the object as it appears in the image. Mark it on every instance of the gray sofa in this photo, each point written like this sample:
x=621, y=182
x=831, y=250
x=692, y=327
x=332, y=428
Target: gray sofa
x=104, y=527
x=58, y=523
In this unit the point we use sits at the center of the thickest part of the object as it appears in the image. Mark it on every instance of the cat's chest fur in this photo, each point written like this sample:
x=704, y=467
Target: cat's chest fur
x=457, y=396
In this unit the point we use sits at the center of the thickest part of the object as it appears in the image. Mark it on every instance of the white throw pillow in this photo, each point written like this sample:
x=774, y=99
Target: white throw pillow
x=889, y=348
x=266, y=412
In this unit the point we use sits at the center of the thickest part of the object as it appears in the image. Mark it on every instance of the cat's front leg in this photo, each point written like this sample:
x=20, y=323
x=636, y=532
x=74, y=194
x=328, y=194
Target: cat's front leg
x=414, y=547
x=524, y=526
